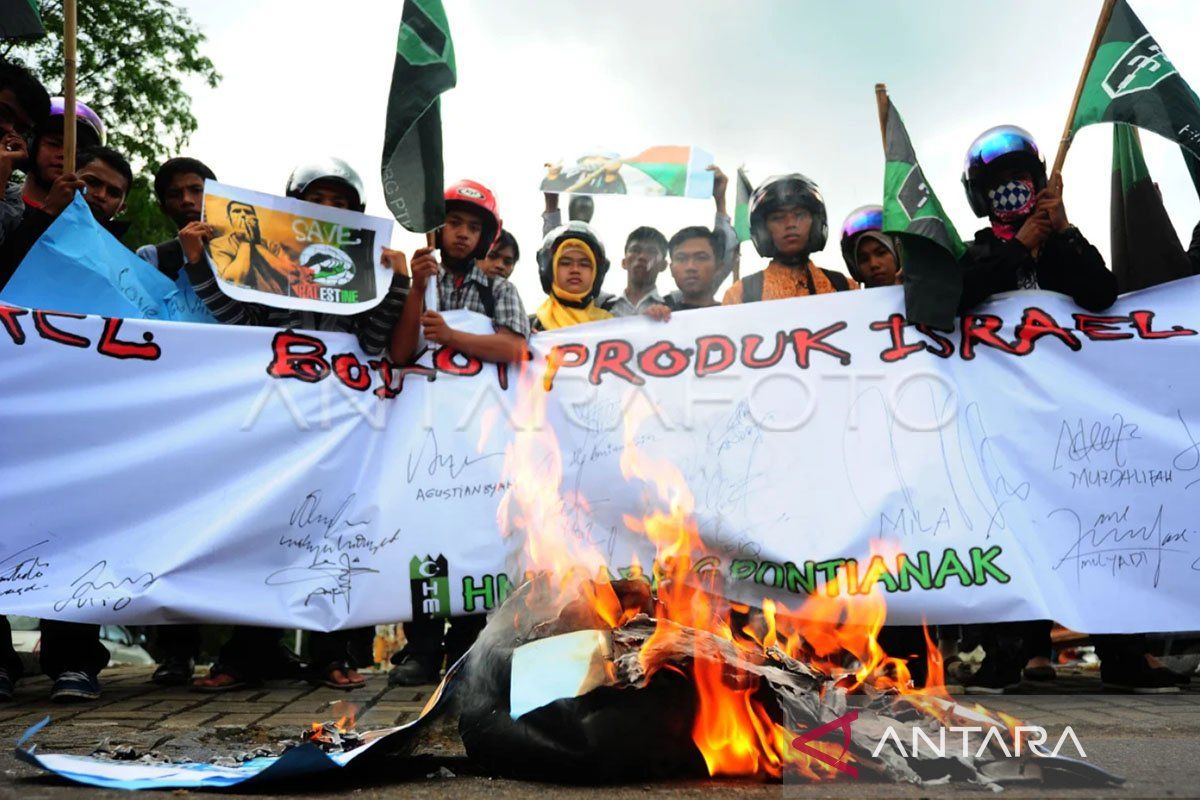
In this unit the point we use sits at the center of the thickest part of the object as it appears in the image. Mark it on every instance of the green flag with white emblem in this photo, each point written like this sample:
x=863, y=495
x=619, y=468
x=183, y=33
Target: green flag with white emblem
x=1131, y=80
x=413, y=181
x=930, y=246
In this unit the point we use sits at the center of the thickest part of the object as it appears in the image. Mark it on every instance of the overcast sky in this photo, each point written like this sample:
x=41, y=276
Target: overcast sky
x=778, y=86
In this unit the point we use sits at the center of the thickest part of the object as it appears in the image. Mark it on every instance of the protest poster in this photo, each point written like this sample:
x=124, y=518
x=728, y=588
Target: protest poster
x=287, y=253
x=662, y=171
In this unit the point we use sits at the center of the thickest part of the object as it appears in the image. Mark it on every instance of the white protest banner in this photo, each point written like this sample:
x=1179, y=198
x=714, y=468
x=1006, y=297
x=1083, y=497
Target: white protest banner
x=1043, y=465
x=662, y=171
x=287, y=253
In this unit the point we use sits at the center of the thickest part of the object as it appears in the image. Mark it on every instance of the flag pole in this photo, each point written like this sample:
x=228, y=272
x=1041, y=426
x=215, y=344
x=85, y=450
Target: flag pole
x=882, y=103
x=1064, y=143
x=69, y=27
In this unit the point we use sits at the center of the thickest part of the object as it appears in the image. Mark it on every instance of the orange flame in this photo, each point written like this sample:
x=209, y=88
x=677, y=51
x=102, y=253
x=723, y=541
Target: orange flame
x=835, y=633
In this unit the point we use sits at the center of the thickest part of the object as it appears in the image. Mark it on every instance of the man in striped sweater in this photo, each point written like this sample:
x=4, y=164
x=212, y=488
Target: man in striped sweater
x=252, y=654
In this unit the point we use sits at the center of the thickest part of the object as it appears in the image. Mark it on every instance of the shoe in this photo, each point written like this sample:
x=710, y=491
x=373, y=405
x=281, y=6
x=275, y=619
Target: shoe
x=174, y=671
x=1042, y=674
x=992, y=678
x=6, y=686
x=221, y=678
x=75, y=687
x=414, y=670
x=349, y=677
x=1138, y=677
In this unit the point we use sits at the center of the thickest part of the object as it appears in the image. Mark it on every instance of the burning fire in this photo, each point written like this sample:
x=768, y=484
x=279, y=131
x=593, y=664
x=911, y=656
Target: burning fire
x=340, y=734
x=733, y=730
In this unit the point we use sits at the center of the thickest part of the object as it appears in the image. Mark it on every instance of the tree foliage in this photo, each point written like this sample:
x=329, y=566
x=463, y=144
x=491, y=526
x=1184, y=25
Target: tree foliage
x=135, y=57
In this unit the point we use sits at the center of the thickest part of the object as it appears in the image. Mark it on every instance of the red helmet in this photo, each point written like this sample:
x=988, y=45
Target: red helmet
x=478, y=197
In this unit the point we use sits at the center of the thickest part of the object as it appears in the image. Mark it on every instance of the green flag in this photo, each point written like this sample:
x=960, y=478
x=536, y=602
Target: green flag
x=1145, y=248
x=741, y=210
x=1131, y=80
x=20, y=19
x=413, y=182
x=1193, y=165
x=930, y=245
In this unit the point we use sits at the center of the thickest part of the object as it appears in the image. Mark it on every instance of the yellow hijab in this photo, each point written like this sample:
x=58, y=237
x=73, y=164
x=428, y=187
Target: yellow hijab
x=553, y=313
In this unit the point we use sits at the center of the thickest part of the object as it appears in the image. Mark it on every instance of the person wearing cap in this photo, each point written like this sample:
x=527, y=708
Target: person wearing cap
x=331, y=182
x=1029, y=242
x=870, y=254
x=788, y=223
x=571, y=266
x=179, y=189
x=470, y=228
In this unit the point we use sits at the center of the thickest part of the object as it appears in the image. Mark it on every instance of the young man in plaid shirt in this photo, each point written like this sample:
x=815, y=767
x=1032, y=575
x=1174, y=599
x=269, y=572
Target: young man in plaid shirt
x=472, y=224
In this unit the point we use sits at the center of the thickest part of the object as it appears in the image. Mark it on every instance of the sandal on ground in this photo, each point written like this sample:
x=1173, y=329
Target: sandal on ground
x=220, y=678
x=342, y=676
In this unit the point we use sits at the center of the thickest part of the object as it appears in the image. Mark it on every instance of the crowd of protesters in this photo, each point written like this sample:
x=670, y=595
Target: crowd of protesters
x=1029, y=243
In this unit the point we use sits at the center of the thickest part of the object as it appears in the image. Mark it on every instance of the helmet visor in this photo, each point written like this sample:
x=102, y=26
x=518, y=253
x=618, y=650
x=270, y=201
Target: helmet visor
x=869, y=218
x=1002, y=141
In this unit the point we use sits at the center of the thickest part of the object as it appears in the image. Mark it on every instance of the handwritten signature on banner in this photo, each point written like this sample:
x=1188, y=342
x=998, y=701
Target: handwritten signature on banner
x=21, y=573
x=431, y=462
x=339, y=545
x=969, y=471
x=1125, y=538
x=98, y=586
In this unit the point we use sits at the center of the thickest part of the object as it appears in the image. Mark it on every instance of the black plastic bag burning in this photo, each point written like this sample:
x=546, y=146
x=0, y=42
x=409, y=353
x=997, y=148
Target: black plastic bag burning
x=567, y=699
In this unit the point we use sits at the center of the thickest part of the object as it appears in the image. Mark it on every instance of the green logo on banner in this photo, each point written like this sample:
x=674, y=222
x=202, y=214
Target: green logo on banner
x=1143, y=66
x=429, y=582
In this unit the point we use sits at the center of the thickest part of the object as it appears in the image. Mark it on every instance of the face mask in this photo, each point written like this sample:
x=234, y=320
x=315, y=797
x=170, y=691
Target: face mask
x=1011, y=203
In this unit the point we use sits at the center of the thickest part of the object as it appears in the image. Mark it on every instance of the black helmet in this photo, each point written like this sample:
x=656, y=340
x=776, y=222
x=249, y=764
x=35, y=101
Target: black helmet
x=329, y=169
x=572, y=230
x=1004, y=145
x=784, y=191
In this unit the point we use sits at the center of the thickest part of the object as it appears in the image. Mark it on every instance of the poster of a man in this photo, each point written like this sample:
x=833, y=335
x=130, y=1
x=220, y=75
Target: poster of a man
x=243, y=257
x=288, y=253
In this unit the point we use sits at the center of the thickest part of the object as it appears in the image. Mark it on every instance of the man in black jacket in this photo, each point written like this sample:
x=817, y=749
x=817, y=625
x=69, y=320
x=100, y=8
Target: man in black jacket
x=1030, y=244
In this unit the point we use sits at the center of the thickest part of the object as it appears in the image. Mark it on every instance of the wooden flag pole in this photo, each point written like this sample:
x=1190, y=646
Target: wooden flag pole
x=882, y=103
x=1064, y=143
x=69, y=27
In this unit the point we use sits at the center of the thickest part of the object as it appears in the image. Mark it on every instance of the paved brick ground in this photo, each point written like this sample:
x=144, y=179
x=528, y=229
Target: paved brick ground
x=1154, y=741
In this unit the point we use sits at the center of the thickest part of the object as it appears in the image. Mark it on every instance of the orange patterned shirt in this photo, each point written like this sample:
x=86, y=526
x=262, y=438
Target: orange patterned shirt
x=780, y=283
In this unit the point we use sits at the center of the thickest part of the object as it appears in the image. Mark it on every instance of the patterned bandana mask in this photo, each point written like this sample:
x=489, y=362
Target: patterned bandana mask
x=1011, y=203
